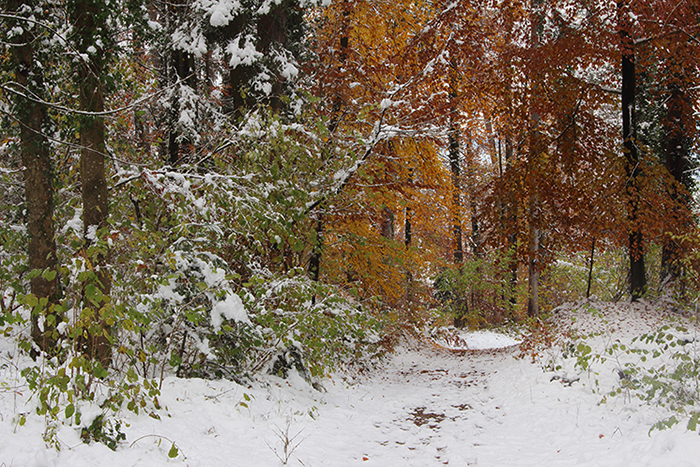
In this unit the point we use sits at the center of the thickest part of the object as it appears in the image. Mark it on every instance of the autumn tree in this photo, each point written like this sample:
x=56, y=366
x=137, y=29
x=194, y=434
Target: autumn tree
x=673, y=47
x=362, y=83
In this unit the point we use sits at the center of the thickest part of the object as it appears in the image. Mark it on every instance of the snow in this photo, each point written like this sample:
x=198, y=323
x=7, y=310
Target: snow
x=221, y=12
x=481, y=340
x=245, y=54
x=425, y=405
x=230, y=308
x=15, y=31
x=190, y=40
x=91, y=233
x=75, y=223
x=288, y=70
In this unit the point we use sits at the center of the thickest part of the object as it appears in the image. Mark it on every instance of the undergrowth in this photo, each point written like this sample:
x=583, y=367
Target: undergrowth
x=659, y=368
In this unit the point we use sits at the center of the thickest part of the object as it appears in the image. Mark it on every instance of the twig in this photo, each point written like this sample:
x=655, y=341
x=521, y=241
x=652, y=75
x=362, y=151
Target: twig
x=288, y=444
x=29, y=95
x=173, y=443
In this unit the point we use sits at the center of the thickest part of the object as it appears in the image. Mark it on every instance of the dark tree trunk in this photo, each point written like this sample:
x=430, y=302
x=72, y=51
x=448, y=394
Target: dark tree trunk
x=536, y=148
x=636, y=238
x=590, y=269
x=38, y=190
x=455, y=167
x=314, y=270
x=182, y=63
x=679, y=111
x=84, y=16
x=238, y=97
x=471, y=178
x=387, y=227
x=407, y=228
x=274, y=28
x=512, y=240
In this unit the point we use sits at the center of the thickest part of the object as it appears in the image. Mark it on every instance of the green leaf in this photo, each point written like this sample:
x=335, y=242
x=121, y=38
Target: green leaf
x=99, y=371
x=49, y=275
x=34, y=273
x=173, y=452
x=70, y=410
x=31, y=300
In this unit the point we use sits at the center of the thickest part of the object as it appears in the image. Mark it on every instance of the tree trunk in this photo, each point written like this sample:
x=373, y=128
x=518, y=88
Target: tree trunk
x=38, y=190
x=512, y=236
x=590, y=269
x=272, y=29
x=314, y=269
x=636, y=239
x=455, y=168
x=472, y=177
x=387, y=226
x=533, y=271
x=491, y=140
x=536, y=148
x=178, y=66
x=407, y=228
x=90, y=38
x=678, y=112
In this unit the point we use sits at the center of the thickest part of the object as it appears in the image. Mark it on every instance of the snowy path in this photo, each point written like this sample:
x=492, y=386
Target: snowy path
x=487, y=408
x=422, y=408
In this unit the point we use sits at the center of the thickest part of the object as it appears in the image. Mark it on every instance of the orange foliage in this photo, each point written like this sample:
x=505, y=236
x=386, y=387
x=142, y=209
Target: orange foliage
x=528, y=85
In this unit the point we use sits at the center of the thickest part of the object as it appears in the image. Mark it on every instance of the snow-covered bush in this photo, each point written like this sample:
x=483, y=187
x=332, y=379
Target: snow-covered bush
x=666, y=374
x=207, y=280
x=660, y=367
x=212, y=266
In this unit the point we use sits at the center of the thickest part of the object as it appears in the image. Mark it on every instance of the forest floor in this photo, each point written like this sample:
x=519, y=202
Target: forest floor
x=425, y=405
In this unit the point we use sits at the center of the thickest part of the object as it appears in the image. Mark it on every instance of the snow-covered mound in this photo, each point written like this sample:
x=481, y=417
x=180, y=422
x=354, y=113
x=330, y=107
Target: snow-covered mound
x=454, y=339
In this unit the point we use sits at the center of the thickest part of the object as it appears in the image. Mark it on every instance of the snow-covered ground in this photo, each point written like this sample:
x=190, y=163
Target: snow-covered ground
x=426, y=405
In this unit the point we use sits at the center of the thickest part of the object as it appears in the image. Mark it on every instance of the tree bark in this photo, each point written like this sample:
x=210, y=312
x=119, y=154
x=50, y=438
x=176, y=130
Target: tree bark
x=679, y=111
x=85, y=18
x=512, y=237
x=314, y=269
x=456, y=169
x=590, y=269
x=179, y=145
x=636, y=238
x=472, y=178
x=536, y=148
x=387, y=225
x=38, y=190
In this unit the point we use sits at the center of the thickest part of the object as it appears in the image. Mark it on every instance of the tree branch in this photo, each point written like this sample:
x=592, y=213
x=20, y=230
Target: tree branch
x=27, y=94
